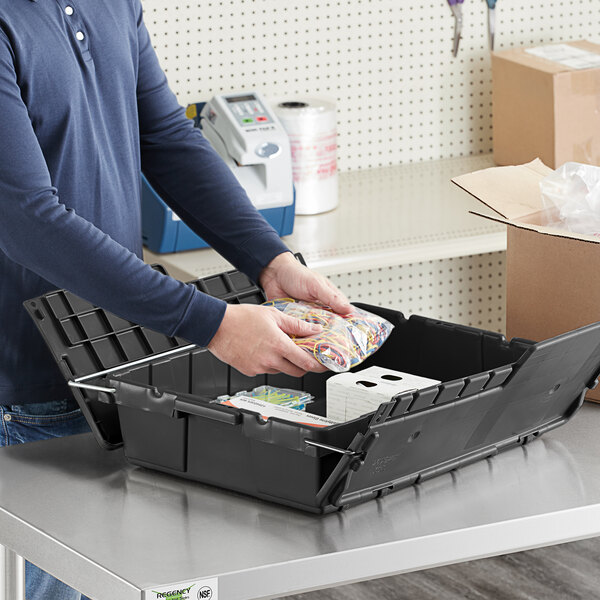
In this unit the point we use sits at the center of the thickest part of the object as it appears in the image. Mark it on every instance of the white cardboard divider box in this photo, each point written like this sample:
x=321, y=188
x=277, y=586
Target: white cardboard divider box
x=350, y=395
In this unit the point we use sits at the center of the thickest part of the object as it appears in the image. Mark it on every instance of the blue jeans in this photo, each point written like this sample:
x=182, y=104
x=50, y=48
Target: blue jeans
x=29, y=423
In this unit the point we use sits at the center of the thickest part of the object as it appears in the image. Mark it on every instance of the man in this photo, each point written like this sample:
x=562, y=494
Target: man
x=84, y=105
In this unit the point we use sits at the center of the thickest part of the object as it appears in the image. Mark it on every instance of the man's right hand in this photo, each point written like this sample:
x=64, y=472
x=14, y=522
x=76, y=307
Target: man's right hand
x=254, y=339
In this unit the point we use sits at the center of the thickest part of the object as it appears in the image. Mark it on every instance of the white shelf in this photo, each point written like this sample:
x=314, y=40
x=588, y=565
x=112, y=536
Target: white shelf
x=390, y=216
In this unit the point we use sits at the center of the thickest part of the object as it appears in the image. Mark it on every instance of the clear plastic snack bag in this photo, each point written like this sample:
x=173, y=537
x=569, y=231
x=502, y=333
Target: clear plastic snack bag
x=574, y=190
x=345, y=341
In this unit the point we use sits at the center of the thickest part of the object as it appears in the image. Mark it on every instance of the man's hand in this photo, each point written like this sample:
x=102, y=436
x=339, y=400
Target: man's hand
x=254, y=339
x=285, y=277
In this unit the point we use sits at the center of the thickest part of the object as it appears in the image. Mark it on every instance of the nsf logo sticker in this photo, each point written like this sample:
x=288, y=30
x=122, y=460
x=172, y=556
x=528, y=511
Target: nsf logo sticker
x=197, y=590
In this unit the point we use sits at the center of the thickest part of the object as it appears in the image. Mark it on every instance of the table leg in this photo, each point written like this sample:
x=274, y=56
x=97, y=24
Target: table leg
x=12, y=575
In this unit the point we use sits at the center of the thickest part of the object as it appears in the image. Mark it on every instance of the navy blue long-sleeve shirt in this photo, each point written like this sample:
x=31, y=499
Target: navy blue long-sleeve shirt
x=84, y=105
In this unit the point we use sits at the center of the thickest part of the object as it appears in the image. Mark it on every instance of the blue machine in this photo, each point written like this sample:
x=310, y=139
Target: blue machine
x=255, y=146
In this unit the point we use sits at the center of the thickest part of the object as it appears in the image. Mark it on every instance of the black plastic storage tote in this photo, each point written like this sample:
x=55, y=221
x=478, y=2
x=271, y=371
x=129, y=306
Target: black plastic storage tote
x=152, y=395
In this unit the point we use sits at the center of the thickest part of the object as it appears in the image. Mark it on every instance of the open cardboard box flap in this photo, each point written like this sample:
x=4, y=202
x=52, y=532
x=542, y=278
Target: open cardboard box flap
x=514, y=194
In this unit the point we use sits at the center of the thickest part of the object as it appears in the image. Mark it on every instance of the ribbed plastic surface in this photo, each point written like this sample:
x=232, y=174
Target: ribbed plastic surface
x=85, y=339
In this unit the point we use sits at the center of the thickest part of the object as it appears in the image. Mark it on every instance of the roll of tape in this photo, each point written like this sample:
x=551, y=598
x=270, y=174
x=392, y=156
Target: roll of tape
x=311, y=126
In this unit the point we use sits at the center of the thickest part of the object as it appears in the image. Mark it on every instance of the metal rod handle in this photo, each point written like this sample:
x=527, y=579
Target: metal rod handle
x=134, y=363
x=331, y=448
x=89, y=386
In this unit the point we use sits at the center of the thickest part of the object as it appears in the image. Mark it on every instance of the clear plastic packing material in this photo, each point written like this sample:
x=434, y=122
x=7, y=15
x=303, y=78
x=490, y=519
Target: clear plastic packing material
x=311, y=126
x=345, y=341
x=574, y=191
x=153, y=396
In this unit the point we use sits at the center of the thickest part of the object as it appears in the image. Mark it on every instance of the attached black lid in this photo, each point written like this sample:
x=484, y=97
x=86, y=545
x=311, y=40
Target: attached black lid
x=499, y=409
x=87, y=341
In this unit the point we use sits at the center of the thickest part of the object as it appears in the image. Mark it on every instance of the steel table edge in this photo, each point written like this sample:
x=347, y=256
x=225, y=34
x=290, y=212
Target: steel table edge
x=63, y=562
x=404, y=556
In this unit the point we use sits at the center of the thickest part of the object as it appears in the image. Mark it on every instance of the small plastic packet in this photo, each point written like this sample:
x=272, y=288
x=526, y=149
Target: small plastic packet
x=573, y=190
x=274, y=395
x=267, y=411
x=345, y=341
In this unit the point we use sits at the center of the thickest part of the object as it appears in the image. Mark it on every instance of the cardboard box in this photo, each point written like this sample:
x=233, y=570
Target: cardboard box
x=350, y=395
x=546, y=104
x=552, y=282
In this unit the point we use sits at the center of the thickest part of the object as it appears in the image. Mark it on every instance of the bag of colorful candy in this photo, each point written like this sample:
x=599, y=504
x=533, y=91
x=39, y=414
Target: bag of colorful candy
x=345, y=341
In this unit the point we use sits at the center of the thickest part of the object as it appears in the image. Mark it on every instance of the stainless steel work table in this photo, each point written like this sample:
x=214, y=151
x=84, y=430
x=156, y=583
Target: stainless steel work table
x=114, y=531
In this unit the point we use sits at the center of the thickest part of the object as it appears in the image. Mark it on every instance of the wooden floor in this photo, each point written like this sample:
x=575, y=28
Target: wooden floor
x=565, y=572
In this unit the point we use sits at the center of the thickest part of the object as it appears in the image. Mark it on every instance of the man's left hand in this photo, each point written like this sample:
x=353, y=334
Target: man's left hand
x=286, y=277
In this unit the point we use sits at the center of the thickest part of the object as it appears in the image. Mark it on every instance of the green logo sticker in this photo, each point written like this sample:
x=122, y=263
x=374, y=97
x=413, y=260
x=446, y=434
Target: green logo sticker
x=207, y=589
x=182, y=594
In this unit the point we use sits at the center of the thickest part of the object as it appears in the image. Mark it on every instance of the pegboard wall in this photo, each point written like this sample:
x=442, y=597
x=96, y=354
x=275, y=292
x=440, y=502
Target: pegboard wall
x=469, y=290
x=401, y=96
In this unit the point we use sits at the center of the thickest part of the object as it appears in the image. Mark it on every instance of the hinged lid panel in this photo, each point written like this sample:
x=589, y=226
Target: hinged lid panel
x=545, y=387
x=86, y=340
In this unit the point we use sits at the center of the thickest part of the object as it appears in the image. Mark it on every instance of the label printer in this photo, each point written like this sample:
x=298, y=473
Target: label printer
x=253, y=143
